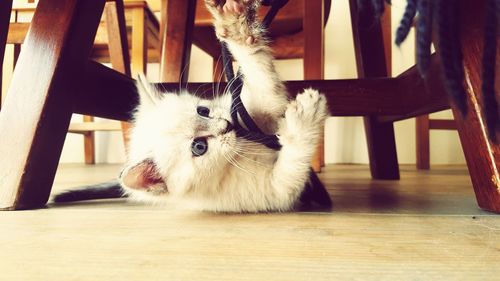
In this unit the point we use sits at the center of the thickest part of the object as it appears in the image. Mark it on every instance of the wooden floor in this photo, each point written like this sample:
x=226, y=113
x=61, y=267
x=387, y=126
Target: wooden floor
x=424, y=227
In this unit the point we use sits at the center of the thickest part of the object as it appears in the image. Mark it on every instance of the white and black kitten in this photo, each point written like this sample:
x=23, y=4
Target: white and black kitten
x=184, y=151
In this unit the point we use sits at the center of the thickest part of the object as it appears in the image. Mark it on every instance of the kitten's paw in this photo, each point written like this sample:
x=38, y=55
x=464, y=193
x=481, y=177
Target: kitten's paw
x=307, y=113
x=235, y=20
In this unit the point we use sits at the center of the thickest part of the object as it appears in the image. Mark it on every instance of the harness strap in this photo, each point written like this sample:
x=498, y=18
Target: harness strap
x=276, y=5
x=238, y=111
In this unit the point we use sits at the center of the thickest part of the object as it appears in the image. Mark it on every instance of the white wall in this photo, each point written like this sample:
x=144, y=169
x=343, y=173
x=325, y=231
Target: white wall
x=345, y=139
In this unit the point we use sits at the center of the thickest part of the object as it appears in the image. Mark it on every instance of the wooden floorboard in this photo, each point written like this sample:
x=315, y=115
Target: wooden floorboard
x=425, y=227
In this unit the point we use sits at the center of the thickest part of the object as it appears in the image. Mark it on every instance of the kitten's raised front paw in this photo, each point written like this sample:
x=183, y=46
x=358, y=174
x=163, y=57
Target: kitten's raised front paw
x=307, y=113
x=235, y=19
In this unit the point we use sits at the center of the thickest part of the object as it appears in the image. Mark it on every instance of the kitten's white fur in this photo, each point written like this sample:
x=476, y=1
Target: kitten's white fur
x=234, y=175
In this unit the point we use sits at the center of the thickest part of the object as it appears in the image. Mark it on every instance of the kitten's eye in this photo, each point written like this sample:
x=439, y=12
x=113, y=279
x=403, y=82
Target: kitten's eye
x=203, y=111
x=199, y=146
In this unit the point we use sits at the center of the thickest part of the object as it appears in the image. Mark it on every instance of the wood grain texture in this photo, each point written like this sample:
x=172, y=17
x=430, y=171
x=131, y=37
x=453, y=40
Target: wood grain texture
x=117, y=36
x=118, y=45
x=139, y=42
x=424, y=227
x=314, y=59
x=37, y=114
x=371, y=61
x=17, y=32
x=314, y=40
x=82, y=128
x=442, y=124
x=89, y=142
x=482, y=156
x=5, y=9
x=178, y=16
x=422, y=127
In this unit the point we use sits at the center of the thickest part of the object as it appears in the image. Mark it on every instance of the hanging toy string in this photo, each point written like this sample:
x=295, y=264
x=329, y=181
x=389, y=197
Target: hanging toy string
x=314, y=191
x=250, y=130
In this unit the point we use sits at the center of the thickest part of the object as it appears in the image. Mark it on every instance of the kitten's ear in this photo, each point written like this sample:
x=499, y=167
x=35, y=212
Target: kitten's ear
x=141, y=176
x=148, y=93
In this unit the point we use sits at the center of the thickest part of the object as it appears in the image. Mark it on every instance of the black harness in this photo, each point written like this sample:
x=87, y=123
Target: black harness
x=250, y=130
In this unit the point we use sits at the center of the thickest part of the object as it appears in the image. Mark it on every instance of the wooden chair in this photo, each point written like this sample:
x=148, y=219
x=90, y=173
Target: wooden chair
x=423, y=126
x=143, y=35
x=59, y=60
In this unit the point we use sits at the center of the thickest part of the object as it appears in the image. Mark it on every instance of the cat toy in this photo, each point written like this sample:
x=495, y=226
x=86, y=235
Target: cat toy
x=444, y=13
x=252, y=132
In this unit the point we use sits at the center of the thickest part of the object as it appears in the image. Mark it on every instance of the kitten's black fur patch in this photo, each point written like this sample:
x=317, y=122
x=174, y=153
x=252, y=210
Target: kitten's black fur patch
x=107, y=190
x=315, y=193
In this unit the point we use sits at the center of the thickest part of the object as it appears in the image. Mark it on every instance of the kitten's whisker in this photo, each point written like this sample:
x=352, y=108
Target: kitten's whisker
x=233, y=109
x=238, y=77
x=239, y=164
x=230, y=160
x=262, y=165
x=163, y=89
x=197, y=89
x=228, y=86
x=181, y=76
x=253, y=152
x=215, y=89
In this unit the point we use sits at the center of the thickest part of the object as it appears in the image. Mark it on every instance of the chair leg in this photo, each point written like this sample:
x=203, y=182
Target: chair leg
x=36, y=116
x=177, y=38
x=89, y=143
x=139, y=42
x=381, y=149
x=118, y=46
x=423, y=142
x=369, y=45
x=482, y=155
x=117, y=36
x=314, y=59
x=5, y=10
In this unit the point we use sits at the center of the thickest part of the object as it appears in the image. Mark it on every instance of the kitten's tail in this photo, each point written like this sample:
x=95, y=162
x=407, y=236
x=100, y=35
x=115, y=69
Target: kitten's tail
x=315, y=192
x=105, y=190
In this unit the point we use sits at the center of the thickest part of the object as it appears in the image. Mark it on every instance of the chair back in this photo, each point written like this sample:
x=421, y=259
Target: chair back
x=288, y=21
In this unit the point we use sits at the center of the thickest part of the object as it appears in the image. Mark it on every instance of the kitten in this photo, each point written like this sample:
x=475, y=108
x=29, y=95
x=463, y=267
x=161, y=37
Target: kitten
x=184, y=150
